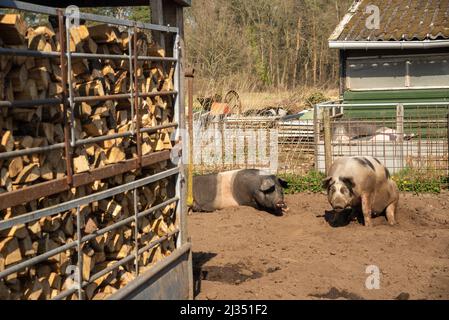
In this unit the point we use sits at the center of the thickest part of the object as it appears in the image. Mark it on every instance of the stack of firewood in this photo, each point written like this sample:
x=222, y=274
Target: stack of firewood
x=29, y=78
x=48, y=279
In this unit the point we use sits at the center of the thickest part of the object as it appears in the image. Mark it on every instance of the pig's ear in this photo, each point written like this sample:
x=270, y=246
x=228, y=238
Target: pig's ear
x=283, y=183
x=326, y=182
x=267, y=185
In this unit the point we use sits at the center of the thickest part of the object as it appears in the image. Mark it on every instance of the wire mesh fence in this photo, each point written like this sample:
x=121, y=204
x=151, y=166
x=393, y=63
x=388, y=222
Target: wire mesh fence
x=410, y=139
x=275, y=144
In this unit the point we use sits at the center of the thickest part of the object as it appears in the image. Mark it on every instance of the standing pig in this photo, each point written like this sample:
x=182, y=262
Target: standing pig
x=364, y=181
x=248, y=187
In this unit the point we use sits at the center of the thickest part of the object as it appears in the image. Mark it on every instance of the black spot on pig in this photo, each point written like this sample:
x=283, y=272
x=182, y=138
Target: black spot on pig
x=349, y=183
x=327, y=183
x=387, y=173
x=370, y=163
x=365, y=162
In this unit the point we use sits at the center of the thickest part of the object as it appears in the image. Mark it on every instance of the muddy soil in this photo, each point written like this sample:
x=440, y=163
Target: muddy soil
x=242, y=253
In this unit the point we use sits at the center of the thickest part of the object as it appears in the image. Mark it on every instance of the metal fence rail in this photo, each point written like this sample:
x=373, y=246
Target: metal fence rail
x=69, y=100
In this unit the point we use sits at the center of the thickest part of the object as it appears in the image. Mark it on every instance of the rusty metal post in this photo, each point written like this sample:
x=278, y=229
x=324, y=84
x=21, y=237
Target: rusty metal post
x=79, y=247
x=448, y=144
x=189, y=74
x=136, y=102
x=400, y=133
x=316, y=134
x=65, y=102
x=136, y=233
x=327, y=139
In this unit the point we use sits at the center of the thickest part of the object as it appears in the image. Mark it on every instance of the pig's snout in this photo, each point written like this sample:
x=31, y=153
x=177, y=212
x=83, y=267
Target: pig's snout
x=282, y=206
x=339, y=203
x=338, y=209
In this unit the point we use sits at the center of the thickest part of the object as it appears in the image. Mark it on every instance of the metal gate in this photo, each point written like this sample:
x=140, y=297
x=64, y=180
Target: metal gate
x=169, y=278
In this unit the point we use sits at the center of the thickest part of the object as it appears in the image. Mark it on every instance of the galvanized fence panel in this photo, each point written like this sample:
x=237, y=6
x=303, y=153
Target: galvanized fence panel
x=411, y=139
x=229, y=142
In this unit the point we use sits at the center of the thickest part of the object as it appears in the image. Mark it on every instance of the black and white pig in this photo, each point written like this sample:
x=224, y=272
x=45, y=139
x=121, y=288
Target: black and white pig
x=365, y=182
x=247, y=187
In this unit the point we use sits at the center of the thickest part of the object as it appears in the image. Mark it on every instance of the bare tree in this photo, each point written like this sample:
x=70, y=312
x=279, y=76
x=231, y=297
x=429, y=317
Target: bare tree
x=268, y=43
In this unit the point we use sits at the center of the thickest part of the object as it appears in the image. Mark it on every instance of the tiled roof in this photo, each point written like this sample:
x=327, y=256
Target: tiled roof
x=404, y=20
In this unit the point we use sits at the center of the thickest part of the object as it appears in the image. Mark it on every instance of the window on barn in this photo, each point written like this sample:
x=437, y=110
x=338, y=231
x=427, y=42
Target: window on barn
x=429, y=72
x=398, y=72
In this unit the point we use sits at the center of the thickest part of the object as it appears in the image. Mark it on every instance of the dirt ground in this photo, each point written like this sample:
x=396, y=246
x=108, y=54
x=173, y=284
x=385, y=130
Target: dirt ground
x=242, y=253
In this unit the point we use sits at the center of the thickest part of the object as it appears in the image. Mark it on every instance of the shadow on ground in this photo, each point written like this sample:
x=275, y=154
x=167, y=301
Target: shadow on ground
x=199, y=259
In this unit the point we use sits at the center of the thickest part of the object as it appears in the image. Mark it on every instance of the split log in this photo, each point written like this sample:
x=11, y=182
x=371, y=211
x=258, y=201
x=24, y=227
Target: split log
x=54, y=89
x=95, y=127
x=12, y=29
x=81, y=164
x=80, y=67
x=37, y=42
x=48, y=130
x=10, y=250
x=41, y=77
x=28, y=174
x=7, y=142
x=29, y=92
x=104, y=33
x=18, y=77
x=67, y=224
x=155, y=50
x=47, y=172
x=26, y=247
x=91, y=226
x=115, y=155
x=5, y=181
x=91, y=88
x=54, y=281
x=90, y=46
x=17, y=231
x=47, y=31
x=35, y=230
x=15, y=167
x=5, y=292
x=88, y=263
x=51, y=223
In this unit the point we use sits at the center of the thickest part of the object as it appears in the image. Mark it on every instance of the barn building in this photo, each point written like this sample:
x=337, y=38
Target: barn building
x=393, y=51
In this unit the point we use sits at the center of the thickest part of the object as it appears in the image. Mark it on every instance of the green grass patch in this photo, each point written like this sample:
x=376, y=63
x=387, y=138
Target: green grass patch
x=408, y=180
x=311, y=182
x=416, y=181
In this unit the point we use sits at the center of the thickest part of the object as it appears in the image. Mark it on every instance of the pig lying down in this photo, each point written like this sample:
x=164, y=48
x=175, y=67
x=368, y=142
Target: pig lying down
x=355, y=181
x=248, y=187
